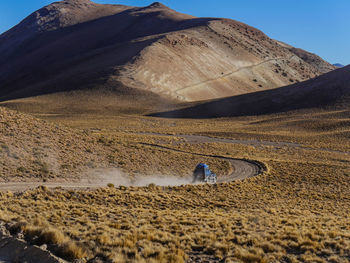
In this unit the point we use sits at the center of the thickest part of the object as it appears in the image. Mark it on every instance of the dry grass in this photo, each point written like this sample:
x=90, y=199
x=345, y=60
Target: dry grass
x=42, y=233
x=32, y=149
x=298, y=212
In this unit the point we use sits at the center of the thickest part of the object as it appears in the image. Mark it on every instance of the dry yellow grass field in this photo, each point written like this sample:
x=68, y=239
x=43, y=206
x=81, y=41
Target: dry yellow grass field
x=83, y=148
x=298, y=211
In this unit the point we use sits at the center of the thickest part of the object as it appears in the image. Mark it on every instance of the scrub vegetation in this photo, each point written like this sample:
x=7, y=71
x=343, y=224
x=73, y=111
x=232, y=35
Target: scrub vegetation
x=298, y=211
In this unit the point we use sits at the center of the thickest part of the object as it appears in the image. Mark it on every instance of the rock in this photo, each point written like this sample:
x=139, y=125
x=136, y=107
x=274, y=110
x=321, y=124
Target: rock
x=13, y=249
x=43, y=247
x=3, y=231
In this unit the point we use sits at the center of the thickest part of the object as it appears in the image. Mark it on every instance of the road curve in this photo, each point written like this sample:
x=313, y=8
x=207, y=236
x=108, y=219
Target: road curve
x=242, y=169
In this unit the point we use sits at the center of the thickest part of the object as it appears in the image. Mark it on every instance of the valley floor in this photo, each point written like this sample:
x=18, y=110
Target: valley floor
x=297, y=211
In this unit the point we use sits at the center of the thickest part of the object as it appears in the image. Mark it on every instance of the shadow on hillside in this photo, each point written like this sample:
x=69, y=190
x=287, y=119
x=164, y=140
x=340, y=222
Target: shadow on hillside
x=330, y=89
x=82, y=55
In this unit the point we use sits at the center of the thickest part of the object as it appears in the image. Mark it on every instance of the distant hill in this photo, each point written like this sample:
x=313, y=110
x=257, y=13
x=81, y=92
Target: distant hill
x=329, y=90
x=338, y=65
x=78, y=45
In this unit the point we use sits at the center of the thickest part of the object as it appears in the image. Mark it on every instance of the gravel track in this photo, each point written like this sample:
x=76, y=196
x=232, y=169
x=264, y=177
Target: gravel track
x=242, y=169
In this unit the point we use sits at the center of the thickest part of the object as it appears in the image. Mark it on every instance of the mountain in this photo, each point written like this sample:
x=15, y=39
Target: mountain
x=329, y=90
x=338, y=65
x=78, y=45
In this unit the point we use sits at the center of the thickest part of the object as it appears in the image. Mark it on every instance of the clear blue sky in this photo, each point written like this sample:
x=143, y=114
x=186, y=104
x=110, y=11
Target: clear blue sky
x=319, y=26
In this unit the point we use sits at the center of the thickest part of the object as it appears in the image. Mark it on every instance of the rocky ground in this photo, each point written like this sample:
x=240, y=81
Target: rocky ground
x=13, y=248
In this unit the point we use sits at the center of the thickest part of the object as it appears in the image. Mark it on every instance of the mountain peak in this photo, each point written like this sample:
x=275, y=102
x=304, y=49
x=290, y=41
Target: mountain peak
x=170, y=54
x=158, y=5
x=76, y=1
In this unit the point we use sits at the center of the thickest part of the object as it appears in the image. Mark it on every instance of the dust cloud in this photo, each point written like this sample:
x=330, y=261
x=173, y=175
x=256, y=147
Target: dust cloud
x=118, y=178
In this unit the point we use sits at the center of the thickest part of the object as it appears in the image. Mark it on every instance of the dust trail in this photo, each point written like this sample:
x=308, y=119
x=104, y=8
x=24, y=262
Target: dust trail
x=118, y=178
x=162, y=181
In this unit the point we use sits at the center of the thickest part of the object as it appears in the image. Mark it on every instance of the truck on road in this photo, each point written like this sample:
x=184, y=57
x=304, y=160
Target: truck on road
x=202, y=174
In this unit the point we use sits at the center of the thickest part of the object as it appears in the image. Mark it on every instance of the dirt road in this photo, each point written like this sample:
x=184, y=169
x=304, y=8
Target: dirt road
x=241, y=168
x=230, y=74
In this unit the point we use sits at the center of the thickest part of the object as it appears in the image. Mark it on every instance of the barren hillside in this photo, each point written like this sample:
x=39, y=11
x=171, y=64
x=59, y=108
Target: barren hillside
x=36, y=150
x=77, y=44
x=329, y=90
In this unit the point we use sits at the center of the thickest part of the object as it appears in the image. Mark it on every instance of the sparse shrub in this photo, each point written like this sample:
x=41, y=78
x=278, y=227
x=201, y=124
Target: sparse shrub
x=4, y=148
x=251, y=256
x=43, y=167
x=151, y=186
x=104, y=239
x=52, y=236
x=70, y=251
x=65, y=166
x=21, y=169
x=268, y=247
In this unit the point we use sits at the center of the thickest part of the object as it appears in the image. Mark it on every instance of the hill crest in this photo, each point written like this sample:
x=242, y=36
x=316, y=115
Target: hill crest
x=77, y=44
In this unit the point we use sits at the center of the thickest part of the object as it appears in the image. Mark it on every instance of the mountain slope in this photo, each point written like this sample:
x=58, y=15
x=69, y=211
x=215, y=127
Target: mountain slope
x=328, y=90
x=312, y=59
x=77, y=44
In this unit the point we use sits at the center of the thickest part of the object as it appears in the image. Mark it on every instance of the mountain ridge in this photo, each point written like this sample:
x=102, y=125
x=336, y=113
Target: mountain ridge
x=174, y=55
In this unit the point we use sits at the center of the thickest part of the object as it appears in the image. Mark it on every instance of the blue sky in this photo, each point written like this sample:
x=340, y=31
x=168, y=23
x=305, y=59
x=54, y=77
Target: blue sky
x=319, y=26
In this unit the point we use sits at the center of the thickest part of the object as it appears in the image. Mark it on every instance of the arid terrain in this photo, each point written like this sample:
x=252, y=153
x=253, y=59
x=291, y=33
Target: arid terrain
x=297, y=211
x=330, y=90
x=102, y=123
x=80, y=45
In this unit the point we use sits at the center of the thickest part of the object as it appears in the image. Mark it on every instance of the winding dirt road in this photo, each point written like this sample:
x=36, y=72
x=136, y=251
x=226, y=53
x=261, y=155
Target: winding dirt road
x=242, y=169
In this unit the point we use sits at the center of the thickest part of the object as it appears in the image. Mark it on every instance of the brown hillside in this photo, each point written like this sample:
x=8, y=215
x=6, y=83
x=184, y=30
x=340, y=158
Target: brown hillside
x=36, y=150
x=312, y=59
x=77, y=44
x=329, y=90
